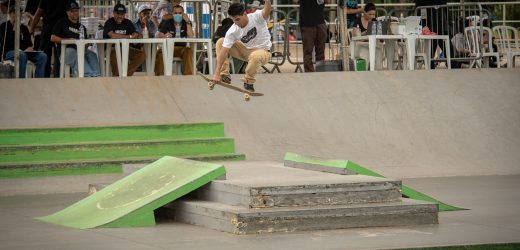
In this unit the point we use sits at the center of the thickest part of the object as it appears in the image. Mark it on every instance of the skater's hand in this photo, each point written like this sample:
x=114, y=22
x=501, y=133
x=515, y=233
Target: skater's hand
x=217, y=77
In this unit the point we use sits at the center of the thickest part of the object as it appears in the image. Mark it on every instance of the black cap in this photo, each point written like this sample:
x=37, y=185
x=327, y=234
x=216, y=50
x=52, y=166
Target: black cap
x=72, y=6
x=119, y=8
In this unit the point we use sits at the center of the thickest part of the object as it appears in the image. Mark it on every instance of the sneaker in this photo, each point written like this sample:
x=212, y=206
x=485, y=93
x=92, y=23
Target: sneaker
x=249, y=87
x=225, y=79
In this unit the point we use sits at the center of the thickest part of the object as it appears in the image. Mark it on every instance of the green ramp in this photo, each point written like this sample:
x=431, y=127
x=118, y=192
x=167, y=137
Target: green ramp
x=131, y=201
x=349, y=167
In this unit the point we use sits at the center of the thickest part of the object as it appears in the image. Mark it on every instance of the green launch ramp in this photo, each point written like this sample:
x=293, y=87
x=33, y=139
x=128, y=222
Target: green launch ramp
x=131, y=201
x=349, y=167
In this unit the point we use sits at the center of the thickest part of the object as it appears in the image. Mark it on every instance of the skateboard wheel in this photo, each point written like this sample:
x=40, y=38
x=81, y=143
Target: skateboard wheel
x=211, y=85
x=247, y=97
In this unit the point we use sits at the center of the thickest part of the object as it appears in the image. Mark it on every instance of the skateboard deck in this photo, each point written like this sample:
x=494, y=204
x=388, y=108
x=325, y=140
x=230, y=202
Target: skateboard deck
x=212, y=83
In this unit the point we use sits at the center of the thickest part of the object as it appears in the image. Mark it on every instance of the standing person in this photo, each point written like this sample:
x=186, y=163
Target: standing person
x=26, y=50
x=118, y=27
x=163, y=6
x=352, y=11
x=249, y=40
x=70, y=28
x=314, y=31
x=179, y=26
x=31, y=6
x=52, y=11
x=4, y=9
x=436, y=19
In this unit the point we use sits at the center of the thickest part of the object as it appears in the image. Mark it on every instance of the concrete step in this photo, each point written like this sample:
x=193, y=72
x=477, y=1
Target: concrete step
x=106, y=134
x=94, y=166
x=303, y=191
x=240, y=220
x=27, y=154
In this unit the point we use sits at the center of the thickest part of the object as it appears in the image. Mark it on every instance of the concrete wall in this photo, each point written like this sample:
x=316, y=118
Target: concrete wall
x=400, y=123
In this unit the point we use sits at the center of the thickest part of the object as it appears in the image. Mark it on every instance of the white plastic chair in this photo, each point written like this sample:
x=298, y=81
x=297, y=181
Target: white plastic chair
x=507, y=41
x=479, y=48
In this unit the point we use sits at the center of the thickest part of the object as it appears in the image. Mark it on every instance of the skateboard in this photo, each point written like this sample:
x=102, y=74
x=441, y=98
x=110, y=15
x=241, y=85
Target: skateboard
x=212, y=83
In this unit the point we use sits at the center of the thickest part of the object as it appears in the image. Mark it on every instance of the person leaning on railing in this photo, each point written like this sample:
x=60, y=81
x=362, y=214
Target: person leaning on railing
x=118, y=27
x=71, y=28
x=179, y=26
x=144, y=23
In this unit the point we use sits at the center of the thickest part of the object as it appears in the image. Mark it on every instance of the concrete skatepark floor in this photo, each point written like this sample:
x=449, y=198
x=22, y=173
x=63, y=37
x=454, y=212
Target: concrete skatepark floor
x=494, y=202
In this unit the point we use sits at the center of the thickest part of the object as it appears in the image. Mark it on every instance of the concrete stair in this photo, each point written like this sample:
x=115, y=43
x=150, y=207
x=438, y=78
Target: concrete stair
x=265, y=197
x=89, y=150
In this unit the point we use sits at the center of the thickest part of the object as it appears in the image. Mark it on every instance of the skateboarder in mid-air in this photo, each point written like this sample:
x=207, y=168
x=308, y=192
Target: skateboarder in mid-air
x=248, y=39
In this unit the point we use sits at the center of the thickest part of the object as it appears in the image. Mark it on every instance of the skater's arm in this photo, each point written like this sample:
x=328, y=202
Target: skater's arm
x=222, y=55
x=267, y=9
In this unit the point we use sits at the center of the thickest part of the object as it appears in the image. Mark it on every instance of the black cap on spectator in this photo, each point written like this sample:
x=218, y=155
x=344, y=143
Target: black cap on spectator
x=72, y=6
x=119, y=8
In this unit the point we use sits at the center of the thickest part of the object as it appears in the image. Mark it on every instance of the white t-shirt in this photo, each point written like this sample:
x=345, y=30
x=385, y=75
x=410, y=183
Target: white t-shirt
x=254, y=36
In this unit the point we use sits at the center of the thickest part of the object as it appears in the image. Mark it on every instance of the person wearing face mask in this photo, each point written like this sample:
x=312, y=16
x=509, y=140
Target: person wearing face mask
x=118, y=27
x=177, y=27
x=163, y=6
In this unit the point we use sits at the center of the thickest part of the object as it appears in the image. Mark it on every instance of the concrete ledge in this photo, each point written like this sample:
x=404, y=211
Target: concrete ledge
x=238, y=220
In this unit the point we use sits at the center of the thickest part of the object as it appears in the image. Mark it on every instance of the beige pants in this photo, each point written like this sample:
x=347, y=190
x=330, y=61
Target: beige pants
x=255, y=59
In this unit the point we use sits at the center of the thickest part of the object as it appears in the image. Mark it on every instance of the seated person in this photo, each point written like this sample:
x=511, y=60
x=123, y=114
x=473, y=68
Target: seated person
x=144, y=20
x=360, y=28
x=26, y=50
x=253, y=7
x=458, y=42
x=118, y=27
x=361, y=24
x=180, y=27
x=69, y=28
x=222, y=29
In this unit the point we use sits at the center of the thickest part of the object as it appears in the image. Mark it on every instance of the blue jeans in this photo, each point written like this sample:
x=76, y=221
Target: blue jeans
x=91, y=62
x=38, y=58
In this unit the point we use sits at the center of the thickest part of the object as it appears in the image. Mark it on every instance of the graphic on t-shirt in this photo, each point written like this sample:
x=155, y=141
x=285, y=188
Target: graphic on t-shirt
x=251, y=34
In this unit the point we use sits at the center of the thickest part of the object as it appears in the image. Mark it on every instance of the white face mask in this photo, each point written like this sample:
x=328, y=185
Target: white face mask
x=320, y=2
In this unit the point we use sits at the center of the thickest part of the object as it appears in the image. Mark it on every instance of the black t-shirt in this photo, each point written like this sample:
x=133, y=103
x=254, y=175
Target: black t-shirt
x=126, y=27
x=25, y=37
x=64, y=28
x=311, y=14
x=359, y=24
x=54, y=10
x=169, y=26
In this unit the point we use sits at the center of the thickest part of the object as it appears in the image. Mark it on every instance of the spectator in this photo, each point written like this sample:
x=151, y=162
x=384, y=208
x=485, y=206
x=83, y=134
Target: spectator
x=118, y=27
x=31, y=7
x=4, y=9
x=70, y=28
x=26, y=50
x=52, y=11
x=314, y=31
x=163, y=6
x=353, y=11
x=360, y=25
x=248, y=39
x=436, y=20
x=254, y=7
x=222, y=29
x=143, y=21
x=179, y=26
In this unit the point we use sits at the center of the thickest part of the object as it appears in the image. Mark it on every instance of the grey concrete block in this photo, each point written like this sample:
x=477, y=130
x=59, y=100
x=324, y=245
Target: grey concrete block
x=239, y=220
x=346, y=190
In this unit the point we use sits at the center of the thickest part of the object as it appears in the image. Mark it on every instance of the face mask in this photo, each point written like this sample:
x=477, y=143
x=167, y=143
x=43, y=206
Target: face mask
x=177, y=18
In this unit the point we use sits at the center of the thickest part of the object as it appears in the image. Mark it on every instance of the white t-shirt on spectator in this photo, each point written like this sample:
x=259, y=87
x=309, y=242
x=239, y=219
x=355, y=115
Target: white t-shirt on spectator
x=254, y=36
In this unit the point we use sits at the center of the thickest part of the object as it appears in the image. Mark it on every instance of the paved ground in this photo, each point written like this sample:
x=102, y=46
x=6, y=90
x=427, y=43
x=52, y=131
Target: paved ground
x=494, y=218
